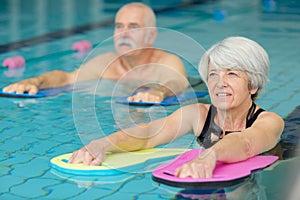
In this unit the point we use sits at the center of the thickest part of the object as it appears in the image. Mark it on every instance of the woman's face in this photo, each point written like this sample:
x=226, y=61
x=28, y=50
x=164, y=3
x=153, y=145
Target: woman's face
x=228, y=88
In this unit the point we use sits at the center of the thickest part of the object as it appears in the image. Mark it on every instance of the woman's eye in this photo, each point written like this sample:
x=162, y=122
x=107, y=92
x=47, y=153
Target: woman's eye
x=232, y=74
x=212, y=74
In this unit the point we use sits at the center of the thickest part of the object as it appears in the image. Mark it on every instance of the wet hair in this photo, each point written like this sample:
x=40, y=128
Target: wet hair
x=238, y=53
x=150, y=20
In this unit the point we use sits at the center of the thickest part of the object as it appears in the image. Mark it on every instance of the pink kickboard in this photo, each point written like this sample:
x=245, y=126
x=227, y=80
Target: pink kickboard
x=222, y=173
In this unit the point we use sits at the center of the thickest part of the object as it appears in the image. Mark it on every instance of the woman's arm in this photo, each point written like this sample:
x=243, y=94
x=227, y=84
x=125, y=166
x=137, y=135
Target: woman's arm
x=144, y=136
x=263, y=135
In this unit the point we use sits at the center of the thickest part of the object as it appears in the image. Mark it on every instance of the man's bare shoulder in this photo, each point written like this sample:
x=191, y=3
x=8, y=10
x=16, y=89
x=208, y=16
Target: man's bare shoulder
x=167, y=58
x=159, y=53
x=101, y=60
x=99, y=66
x=109, y=56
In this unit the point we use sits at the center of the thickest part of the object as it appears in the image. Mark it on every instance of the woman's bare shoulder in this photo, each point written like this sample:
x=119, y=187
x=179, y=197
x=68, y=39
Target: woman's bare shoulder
x=271, y=117
x=270, y=122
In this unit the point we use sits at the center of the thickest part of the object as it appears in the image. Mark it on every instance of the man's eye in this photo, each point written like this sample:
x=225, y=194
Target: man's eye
x=134, y=26
x=118, y=26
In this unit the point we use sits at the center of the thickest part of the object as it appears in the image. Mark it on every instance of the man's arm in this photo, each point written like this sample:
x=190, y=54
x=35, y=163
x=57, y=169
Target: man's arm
x=52, y=79
x=92, y=69
x=172, y=79
x=173, y=76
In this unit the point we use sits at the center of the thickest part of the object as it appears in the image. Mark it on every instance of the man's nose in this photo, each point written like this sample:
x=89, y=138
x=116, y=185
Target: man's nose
x=124, y=33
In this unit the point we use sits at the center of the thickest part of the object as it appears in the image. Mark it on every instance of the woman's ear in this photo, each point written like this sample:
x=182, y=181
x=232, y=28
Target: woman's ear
x=253, y=91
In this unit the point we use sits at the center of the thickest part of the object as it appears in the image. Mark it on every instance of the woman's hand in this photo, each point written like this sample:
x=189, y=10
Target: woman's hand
x=91, y=154
x=201, y=167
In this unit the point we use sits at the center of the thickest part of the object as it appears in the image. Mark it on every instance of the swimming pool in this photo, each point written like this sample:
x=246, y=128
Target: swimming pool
x=35, y=130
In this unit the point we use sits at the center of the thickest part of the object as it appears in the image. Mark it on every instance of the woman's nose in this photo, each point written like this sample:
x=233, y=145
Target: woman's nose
x=222, y=81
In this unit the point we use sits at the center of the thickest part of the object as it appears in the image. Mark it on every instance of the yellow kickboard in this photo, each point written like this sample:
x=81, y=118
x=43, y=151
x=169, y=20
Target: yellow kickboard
x=116, y=163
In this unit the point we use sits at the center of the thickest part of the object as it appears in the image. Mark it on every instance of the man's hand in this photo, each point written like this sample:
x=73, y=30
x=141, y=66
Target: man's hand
x=151, y=95
x=22, y=87
x=51, y=79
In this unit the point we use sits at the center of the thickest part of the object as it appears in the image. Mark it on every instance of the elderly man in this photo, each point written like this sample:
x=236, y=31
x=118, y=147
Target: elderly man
x=135, y=59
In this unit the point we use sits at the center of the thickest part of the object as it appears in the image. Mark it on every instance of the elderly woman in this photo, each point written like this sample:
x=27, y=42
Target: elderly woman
x=232, y=128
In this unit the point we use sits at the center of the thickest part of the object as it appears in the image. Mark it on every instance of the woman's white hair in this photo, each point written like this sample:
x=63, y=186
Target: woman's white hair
x=238, y=53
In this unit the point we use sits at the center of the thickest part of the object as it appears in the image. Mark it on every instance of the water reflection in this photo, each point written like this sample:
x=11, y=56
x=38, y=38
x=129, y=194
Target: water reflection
x=247, y=190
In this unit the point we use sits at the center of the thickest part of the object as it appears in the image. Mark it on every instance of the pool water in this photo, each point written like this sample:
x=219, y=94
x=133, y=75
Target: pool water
x=35, y=130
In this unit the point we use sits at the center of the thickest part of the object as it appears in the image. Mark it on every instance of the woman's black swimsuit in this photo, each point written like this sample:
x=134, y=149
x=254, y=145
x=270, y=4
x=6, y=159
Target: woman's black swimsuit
x=212, y=133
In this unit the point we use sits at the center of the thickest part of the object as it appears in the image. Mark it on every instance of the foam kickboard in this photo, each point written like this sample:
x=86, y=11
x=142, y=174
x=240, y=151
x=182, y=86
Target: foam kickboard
x=225, y=174
x=172, y=100
x=117, y=163
x=41, y=93
x=88, y=179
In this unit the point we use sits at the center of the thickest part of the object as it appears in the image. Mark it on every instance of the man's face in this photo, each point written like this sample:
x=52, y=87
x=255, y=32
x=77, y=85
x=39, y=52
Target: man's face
x=130, y=32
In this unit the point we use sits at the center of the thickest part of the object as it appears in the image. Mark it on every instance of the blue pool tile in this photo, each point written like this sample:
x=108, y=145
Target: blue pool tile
x=9, y=181
x=42, y=147
x=17, y=143
x=34, y=168
x=8, y=163
x=4, y=169
x=9, y=196
x=64, y=191
x=98, y=190
x=33, y=188
x=140, y=180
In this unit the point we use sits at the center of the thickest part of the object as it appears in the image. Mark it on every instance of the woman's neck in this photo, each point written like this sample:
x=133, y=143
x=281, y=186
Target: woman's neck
x=233, y=119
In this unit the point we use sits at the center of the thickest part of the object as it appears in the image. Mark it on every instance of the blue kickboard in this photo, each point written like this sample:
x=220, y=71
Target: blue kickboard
x=172, y=100
x=41, y=93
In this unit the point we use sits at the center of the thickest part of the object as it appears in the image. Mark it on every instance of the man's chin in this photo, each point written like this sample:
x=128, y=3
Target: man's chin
x=126, y=52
